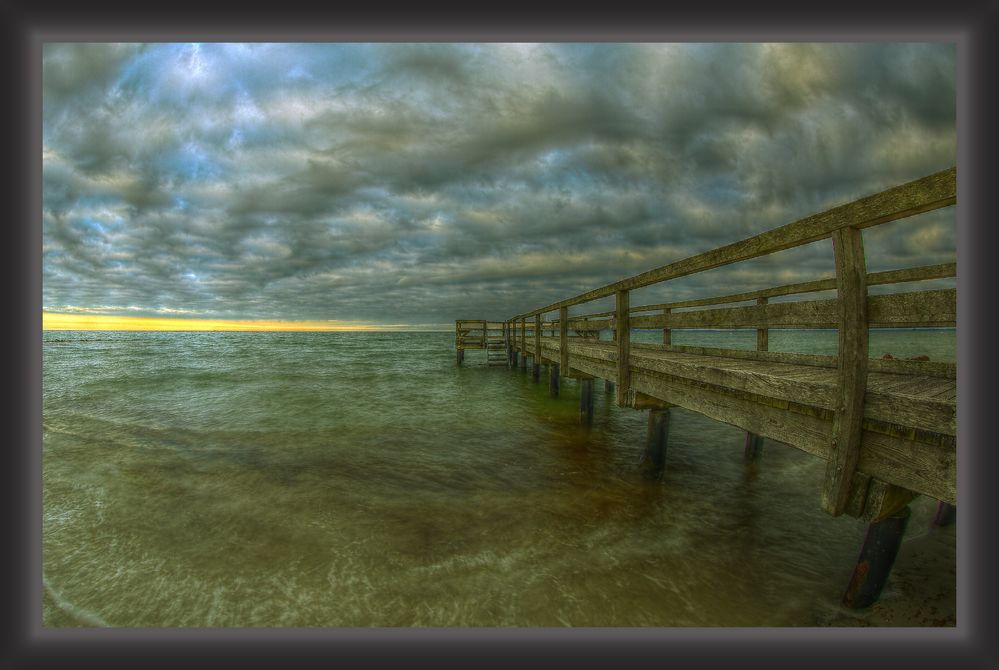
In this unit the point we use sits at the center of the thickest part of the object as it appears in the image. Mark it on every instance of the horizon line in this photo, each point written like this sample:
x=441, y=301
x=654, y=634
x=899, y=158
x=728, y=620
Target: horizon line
x=54, y=321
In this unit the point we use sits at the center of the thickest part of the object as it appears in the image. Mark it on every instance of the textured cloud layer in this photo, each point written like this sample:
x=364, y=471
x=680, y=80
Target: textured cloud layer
x=418, y=184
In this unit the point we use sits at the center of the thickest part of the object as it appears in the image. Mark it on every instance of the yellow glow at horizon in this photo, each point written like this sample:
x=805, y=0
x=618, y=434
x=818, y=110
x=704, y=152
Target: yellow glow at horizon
x=52, y=321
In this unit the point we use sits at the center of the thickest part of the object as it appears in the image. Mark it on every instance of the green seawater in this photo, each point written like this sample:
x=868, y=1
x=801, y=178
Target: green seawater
x=362, y=479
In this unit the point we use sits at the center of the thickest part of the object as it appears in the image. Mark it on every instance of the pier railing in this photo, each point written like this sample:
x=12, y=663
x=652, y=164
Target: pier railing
x=902, y=432
x=481, y=334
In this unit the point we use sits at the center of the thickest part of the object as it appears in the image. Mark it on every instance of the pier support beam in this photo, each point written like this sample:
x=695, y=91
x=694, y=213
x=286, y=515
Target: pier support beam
x=654, y=460
x=754, y=445
x=553, y=379
x=536, y=368
x=461, y=356
x=608, y=386
x=876, y=558
x=946, y=515
x=523, y=360
x=586, y=401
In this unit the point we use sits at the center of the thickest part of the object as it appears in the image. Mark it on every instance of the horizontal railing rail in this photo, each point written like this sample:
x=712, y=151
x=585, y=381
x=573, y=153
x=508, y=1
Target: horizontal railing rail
x=852, y=312
x=915, y=197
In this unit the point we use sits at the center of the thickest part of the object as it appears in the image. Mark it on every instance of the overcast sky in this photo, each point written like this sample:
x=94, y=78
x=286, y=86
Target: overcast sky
x=418, y=184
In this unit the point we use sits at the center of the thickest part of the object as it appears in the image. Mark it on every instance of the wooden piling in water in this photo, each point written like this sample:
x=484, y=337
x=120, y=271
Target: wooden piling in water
x=847, y=424
x=586, y=401
x=754, y=444
x=946, y=514
x=536, y=368
x=883, y=443
x=876, y=558
x=553, y=379
x=656, y=438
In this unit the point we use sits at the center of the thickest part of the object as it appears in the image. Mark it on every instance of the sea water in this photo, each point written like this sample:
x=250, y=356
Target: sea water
x=234, y=479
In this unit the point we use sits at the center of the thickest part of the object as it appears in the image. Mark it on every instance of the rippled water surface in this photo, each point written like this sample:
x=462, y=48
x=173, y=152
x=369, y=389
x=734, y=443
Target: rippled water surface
x=361, y=479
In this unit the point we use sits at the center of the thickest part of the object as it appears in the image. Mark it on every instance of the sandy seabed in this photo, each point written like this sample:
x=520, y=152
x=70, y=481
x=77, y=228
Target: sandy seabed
x=921, y=590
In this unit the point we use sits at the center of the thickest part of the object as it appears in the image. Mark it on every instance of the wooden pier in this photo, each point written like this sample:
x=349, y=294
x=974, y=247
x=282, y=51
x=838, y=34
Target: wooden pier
x=886, y=428
x=478, y=334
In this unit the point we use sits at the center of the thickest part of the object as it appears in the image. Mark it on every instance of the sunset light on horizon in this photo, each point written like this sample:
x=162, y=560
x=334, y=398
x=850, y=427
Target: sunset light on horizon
x=51, y=321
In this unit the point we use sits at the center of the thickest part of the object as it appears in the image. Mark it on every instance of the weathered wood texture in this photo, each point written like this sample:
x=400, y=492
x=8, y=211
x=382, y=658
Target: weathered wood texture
x=886, y=427
x=537, y=344
x=921, y=195
x=923, y=273
x=563, y=336
x=881, y=545
x=919, y=309
x=623, y=348
x=789, y=404
x=848, y=414
x=762, y=334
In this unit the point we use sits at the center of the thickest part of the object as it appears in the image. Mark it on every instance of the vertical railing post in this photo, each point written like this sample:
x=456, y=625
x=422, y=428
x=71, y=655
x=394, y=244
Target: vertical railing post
x=762, y=334
x=754, y=442
x=667, y=331
x=509, y=346
x=563, y=339
x=848, y=415
x=622, y=324
x=523, y=343
x=536, y=368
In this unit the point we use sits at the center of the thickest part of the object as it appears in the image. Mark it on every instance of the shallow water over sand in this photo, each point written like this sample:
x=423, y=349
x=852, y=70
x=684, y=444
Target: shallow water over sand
x=361, y=479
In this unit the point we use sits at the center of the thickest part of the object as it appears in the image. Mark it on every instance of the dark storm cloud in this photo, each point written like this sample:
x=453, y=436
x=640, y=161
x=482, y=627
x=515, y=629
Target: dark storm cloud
x=422, y=183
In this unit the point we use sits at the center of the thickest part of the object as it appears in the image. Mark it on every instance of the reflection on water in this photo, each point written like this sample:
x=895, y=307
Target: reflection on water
x=348, y=479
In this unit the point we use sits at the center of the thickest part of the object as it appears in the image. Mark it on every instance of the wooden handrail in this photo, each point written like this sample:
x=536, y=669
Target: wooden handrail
x=921, y=195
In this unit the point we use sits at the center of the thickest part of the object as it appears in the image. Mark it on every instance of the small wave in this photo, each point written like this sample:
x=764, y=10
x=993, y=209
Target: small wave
x=78, y=613
x=60, y=340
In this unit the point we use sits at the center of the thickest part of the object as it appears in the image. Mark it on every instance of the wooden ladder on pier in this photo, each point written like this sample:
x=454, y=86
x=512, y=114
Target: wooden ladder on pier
x=479, y=334
x=495, y=350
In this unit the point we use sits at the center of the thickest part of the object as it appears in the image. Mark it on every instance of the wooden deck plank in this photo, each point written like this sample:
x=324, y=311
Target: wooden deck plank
x=946, y=391
x=891, y=458
x=885, y=425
